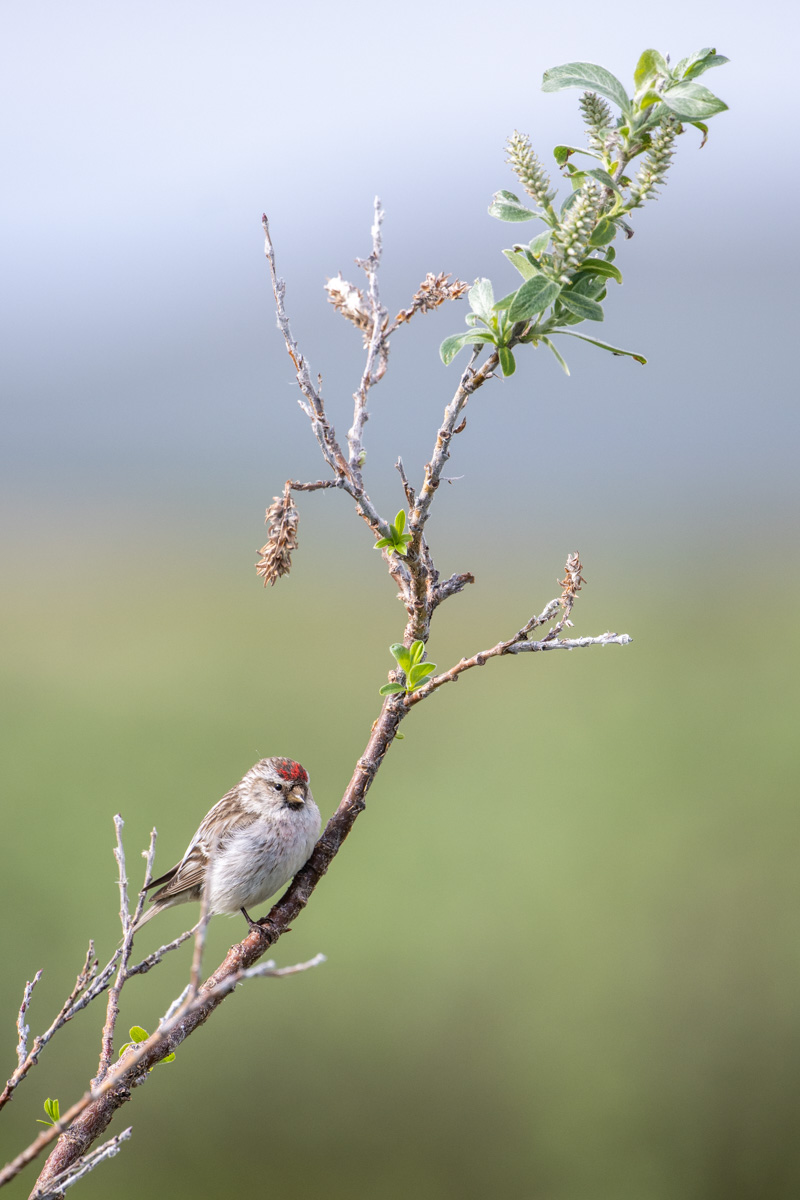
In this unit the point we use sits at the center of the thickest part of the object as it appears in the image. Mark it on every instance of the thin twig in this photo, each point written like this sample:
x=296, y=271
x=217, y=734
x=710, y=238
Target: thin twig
x=518, y=644
x=140, y=1057
x=375, y=364
x=112, y=1006
x=67, y=1011
x=22, y=1029
x=152, y=960
x=82, y=1166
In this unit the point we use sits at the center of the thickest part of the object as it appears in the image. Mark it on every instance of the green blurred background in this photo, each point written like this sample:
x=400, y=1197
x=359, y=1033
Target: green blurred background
x=562, y=940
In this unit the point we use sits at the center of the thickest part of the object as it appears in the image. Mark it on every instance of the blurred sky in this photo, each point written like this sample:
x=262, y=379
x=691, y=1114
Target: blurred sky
x=144, y=376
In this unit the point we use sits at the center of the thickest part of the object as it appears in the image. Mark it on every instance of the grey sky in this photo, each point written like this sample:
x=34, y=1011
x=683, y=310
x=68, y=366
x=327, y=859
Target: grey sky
x=144, y=140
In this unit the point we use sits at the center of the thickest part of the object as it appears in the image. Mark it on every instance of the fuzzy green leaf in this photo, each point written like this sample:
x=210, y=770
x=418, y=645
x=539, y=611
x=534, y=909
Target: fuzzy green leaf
x=481, y=299
x=692, y=101
x=510, y=210
x=649, y=67
x=561, y=361
x=538, y=244
x=603, y=345
x=457, y=341
x=525, y=268
x=391, y=689
x=590, y=77
x=582, y=306
x=402, y=655
x=604, y=232
x=696, y=64
x=400, y=521
x=603, y=177
x=418, y=673
x=508, y=363
x=562, y=153
x=137, y=1034
x=417, y=650
x=533, y=297
x=379, y=545
x=169, y=1058
x=506, y=302
x=599, y=266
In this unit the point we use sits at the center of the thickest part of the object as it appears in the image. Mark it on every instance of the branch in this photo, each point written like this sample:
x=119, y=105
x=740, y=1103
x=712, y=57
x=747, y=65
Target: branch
x=520, y=642
x=68, y=1010
x=377, y=350
x=112, y=1007
x=90, y=1116
x=59, y=1184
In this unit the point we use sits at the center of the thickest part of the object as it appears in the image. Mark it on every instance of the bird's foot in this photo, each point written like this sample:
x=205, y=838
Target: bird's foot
x=263, y=927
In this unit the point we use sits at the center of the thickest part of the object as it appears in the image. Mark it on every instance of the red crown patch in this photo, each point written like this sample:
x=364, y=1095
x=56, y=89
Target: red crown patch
x=290, y=770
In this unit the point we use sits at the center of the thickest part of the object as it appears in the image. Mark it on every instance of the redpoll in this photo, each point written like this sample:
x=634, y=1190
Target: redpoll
x=248, y=846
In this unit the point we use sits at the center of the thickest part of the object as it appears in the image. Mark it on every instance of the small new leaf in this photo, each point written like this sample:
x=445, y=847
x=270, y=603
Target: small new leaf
x=391, y=689
x=53, y=1110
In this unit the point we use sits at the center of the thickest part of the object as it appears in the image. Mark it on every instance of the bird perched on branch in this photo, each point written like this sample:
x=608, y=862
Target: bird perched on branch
x=251, y=843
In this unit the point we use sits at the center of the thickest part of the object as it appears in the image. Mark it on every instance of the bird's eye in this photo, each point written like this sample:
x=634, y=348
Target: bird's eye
x=277, y=787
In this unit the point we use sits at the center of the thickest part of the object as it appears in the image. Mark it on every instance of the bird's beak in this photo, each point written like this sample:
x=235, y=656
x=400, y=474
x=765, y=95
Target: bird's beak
x=298, y=793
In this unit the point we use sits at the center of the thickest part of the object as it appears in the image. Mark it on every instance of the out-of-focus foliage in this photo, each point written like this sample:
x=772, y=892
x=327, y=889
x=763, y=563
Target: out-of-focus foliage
x=561, y=942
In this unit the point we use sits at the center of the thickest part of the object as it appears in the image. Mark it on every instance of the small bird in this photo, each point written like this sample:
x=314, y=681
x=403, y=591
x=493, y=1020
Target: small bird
x=252, y=842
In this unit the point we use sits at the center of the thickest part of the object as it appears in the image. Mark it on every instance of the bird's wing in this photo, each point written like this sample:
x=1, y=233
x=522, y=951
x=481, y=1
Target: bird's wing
x=216, y=828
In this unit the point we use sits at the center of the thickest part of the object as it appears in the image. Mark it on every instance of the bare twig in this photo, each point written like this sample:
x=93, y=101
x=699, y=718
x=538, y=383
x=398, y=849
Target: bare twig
x=152, y=960
x=377, y=351
x=59, y=1184
x=112, y=1007
x=68, y=1010
x=521, y=642
x=22, y=1029
x=98, y=1105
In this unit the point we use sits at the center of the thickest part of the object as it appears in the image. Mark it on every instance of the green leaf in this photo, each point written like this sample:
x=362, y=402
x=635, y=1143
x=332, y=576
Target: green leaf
x=169, y=1058
x=391, y=689
x=507, y=362
x=510, y=210
x=533, y=297
x=589, y=76
x=417, y=650
x=703, y=129
x=603, y=177
x=481, y=299
x=526, y=269
x=603, y=345
x=504, y=304
x=538, y=244
x=649, y=67
x=137, y=1034
x=692, y=101
x=696, y=64
x=648, y=99
x=402, y=656
x=562, y=153
x=418, y=673
x=400, y=549
x=582, y=306
x=379, y=545
x=561, y=361
x=400, y=521
x=605, y=231
x=457, y=341
x=599, y=266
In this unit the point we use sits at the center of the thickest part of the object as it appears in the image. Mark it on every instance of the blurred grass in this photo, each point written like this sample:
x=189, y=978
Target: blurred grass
x=562, y=958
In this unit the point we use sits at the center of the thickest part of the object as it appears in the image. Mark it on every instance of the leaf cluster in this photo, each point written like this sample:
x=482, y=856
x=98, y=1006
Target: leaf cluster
x=397, y=540
x=137, y=1034
x=53, y=1110
x=415, y=671
x=567, y=267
